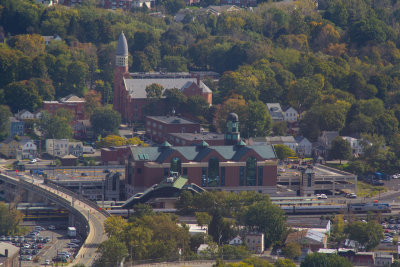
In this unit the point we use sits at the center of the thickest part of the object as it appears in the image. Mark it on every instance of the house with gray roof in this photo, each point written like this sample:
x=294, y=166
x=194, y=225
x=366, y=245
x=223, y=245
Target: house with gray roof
x=304, y=146
x=275, y=110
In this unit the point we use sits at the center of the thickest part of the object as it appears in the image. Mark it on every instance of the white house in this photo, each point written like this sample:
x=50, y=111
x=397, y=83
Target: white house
x=141, y=3
x=57, y=147
x=326, y=137
x=75, y=148
x=237, y=241
x=304, y=146
x=25, y=115
x=275, y=111
x=291, y=115
x=355, y=144
x=383, y=259
x=37, y=114
x=28, y=149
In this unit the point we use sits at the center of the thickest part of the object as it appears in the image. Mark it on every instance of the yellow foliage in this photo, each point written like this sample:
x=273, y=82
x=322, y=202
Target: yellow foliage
x=115, y=140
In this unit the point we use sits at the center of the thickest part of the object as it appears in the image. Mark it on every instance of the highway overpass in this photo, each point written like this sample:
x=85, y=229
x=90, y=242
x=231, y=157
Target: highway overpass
x=86, y=216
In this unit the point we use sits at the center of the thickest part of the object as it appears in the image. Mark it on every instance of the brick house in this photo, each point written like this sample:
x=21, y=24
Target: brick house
x=70, y=102
x=158, y=127
x=130, y=88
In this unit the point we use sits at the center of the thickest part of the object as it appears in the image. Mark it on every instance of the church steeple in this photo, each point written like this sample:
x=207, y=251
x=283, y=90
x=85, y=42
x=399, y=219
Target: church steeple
x=121, y=55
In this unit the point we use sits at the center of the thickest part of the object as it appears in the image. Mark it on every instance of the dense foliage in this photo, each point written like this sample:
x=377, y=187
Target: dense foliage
x=337, y=64
x=253, y=210
x=9, y=220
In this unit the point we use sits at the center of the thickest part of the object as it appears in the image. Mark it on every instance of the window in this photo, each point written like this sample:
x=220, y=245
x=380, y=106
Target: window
x=185, y=171
x=260, y=175
x=309, y=175
x=166, y=172
x=251, y=171
x=114, y=183
x=241, y=176
x=176, y=165
x=203, y=176
x=213, y=172
x=139, y=170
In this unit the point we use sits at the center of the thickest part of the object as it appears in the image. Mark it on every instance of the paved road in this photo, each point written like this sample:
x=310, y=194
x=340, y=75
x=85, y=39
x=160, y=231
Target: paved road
x=87, y=253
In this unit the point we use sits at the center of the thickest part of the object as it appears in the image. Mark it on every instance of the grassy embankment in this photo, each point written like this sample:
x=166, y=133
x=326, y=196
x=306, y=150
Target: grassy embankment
x=368, y=190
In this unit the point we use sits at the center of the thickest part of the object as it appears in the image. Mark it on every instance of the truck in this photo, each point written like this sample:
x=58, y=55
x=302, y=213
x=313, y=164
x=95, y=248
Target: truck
x=71, y=232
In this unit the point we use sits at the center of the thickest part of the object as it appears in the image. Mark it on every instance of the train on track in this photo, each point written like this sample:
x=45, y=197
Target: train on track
x=352, y=208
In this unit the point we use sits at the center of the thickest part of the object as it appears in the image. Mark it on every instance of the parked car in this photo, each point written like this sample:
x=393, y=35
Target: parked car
x=47, y=262
x=83, y=174
x=3, y=238
x=351, y=195
x=52, y=227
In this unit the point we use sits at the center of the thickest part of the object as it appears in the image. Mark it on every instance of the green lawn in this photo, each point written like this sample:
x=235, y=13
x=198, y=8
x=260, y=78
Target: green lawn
x=367, y=190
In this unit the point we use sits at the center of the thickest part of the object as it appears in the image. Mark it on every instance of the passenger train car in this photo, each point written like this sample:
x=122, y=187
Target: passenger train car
x=354, y=208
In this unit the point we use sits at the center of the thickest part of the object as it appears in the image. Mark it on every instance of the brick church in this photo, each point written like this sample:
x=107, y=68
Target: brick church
x=130, y=88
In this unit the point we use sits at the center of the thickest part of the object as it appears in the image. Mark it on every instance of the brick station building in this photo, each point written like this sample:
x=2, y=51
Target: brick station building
x=234, y=166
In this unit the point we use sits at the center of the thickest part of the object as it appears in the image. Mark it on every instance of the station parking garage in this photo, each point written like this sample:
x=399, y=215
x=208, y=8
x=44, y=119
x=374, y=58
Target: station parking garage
x=323, y=180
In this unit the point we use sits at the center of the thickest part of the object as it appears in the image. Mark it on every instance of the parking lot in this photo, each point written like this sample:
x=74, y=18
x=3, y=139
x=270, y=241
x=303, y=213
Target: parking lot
x=41, y=245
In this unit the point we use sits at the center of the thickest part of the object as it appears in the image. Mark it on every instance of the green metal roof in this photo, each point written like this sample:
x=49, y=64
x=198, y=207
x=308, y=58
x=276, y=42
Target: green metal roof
x=165, y=189
x=197, y=153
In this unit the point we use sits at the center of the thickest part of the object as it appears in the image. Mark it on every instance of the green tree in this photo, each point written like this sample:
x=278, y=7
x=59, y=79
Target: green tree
x=185, y=202
x=175, y=99
x=22, y=95
x=283, y=152
x=115, y=226
x=57, y=126
x=279, y=128
x=319, y=259
x=154, y=90
x=267, y=218
x=259, y=122
x=340, y=149
x=203, y=218
x=105, y=120
x=366, y=234
x=142, y=210
x=197, y=106
x=291, y=250
x=5, y=115
x=9, y=220
x=220, y=229
x=112, y=252
x=284, y=263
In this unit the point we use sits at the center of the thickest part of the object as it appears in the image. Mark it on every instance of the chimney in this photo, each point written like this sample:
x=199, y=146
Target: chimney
x=6, y=253
x=198, y=79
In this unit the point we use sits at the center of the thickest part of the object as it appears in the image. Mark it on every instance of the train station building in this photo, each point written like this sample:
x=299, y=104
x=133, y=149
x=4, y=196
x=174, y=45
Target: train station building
x=233, y=167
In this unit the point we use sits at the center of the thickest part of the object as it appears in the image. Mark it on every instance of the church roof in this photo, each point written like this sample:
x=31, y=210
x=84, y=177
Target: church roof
x=137, y=87
x=122, y=46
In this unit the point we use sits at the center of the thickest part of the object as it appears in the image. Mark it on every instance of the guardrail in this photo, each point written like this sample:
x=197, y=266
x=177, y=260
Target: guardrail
x=77, y=196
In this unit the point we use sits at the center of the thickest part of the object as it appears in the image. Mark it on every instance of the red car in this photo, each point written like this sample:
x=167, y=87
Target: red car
x=40, y=246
